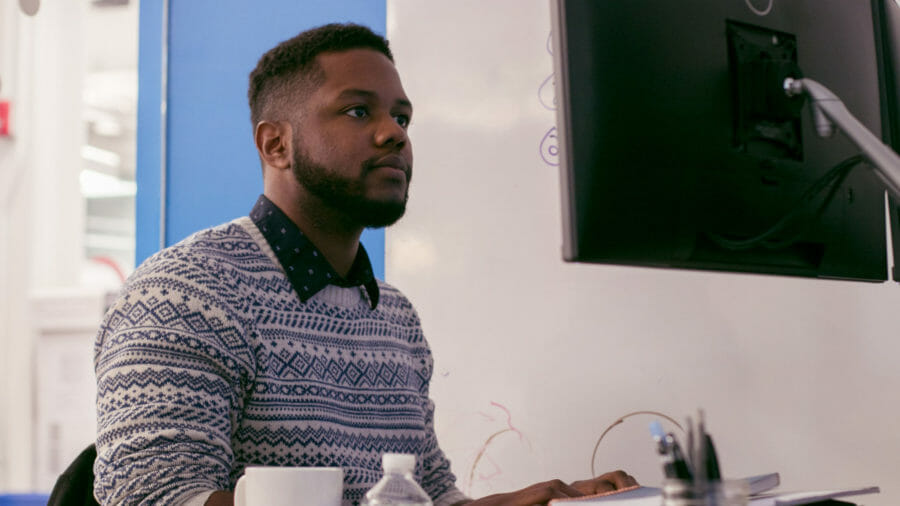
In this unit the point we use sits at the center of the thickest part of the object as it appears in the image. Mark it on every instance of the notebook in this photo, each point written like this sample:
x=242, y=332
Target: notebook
x=760, y=495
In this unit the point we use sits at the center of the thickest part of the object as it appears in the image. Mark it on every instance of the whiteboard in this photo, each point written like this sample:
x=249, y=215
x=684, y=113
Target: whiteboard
x=535, y=358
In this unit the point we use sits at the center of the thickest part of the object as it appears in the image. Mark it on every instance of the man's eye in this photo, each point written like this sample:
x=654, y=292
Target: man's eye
x=357, y=112
x=402, y=120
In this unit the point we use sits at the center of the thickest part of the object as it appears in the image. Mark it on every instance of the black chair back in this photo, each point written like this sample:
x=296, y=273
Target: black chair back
x=75, y=486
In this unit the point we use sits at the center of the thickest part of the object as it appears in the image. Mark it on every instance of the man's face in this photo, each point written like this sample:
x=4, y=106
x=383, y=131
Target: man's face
x=350, y=144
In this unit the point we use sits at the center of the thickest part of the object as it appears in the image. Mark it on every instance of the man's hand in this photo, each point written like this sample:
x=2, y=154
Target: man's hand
x=542, y=493
x=608, y=482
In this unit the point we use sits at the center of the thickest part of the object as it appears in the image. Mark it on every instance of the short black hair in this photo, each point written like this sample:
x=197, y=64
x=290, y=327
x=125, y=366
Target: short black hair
x=295, y=58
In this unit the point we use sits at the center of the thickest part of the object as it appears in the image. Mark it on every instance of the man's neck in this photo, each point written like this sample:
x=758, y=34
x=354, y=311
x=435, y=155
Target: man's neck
x=328, y=230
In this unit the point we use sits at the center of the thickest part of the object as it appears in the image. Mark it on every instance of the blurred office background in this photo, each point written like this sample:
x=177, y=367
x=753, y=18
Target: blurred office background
x=68, y=76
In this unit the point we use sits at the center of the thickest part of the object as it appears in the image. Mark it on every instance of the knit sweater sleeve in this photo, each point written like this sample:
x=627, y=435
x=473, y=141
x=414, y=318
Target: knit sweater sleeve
x=439, y=481
x=172, y=365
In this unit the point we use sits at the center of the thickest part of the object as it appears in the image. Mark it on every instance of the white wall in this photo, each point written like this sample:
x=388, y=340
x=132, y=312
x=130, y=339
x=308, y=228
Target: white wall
x=796, y=376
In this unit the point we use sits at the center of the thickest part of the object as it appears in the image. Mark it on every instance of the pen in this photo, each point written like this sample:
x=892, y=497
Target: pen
x=691, y=444
x=707, y=452
x=699, y=457
x=679, y=464
x=663, y=448
x=659, y=436
x=671, y=456
x=712, y=462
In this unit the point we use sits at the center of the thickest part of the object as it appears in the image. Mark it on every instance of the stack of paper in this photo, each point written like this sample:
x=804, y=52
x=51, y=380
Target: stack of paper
x=760, y=495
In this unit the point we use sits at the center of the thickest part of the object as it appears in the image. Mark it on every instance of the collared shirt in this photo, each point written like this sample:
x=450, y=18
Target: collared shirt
x=306, y=267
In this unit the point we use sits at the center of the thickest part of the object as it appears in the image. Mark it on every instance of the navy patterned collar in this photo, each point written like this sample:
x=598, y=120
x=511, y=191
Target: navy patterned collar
x=305, y=266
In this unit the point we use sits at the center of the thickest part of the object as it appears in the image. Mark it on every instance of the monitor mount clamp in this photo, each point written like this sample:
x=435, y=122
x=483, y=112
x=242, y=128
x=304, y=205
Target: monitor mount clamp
x=828, y=110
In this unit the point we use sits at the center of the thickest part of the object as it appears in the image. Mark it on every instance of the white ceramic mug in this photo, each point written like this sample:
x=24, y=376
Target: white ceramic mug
x=290, y=486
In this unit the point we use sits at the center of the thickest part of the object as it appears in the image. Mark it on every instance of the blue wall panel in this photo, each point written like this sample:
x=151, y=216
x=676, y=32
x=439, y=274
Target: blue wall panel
x=148, y=205
x=213, y=174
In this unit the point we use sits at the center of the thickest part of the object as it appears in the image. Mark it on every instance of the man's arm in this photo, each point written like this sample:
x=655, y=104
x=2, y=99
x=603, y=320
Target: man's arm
x=221, y=498
x=167, y=388
x=542, y=493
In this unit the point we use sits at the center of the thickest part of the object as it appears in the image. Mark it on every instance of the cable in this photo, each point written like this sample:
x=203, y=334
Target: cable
x=620, y=420
x=837, y=174
x=833, y=178
x=835, y=186
x=758, y=12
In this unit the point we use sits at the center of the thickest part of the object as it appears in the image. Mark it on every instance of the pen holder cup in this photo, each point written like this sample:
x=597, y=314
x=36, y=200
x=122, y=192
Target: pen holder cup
x=711, y=493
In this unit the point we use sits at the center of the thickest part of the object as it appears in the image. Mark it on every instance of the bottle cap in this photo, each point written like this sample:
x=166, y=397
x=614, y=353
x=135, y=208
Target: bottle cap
x=398, y=462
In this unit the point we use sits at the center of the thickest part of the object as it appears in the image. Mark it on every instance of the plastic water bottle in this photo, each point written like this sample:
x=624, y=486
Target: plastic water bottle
x=397, y=487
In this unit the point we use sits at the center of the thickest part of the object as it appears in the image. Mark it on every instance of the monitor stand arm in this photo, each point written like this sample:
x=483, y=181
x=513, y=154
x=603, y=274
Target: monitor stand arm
x=828, y=110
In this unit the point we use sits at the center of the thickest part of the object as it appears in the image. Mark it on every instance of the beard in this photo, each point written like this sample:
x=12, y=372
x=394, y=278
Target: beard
x=347, y=195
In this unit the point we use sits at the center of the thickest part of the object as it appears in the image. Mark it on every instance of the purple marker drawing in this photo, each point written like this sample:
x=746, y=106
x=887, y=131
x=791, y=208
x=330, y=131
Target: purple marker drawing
x=550, y=148
x=547, y=97
x=547, y=93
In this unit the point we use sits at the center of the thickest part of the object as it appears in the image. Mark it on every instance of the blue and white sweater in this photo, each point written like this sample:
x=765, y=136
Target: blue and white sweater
x=209, y=362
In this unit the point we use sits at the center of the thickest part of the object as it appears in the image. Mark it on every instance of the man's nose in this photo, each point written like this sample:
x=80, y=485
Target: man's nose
x=390, y=132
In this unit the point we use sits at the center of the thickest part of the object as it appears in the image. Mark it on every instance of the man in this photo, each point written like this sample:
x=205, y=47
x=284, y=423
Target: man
x=267, y=340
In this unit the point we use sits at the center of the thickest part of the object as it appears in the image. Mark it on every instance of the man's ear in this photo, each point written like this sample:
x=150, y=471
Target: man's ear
x=273, y=142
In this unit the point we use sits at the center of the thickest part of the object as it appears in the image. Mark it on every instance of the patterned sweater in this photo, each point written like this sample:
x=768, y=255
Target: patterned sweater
x=209, y=362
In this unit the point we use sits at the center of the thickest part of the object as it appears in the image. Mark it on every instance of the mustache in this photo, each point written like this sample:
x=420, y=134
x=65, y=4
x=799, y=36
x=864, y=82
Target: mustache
x=391, y=160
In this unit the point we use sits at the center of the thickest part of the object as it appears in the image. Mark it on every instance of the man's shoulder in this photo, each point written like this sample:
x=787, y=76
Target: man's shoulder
x=391, y=297
x=225, y=239
x=222, y=236
x=229, y=243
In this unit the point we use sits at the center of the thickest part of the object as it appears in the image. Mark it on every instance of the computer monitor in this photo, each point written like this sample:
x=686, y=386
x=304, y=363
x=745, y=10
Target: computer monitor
x=889, y=28
x=678, y=147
